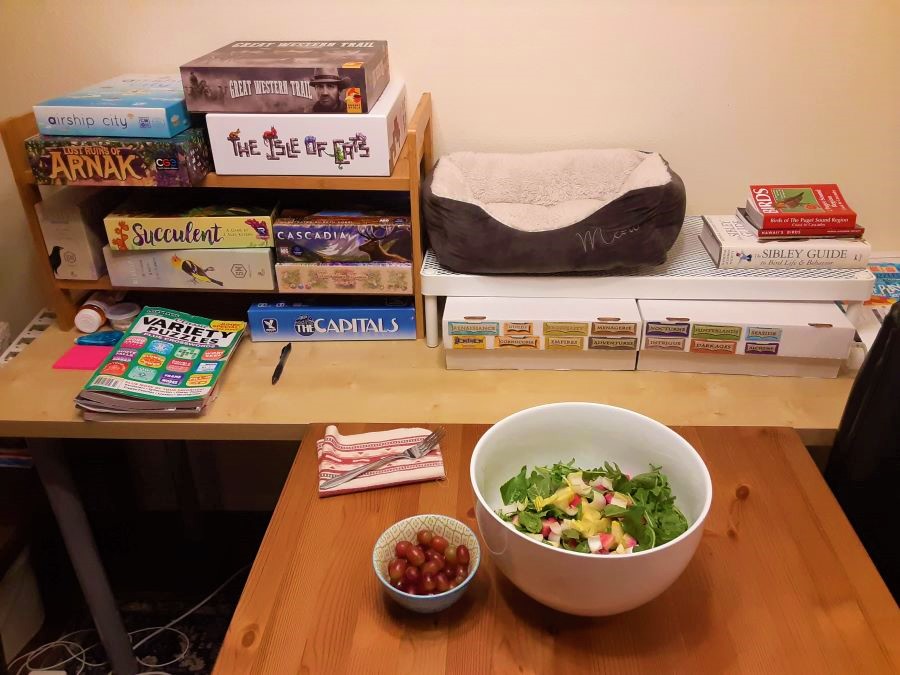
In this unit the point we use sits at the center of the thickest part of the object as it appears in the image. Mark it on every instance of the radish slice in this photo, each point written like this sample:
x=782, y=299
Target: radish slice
x=603, y=482
x=555, y=529
x=554, y=538
x=515, y=520
x=594, y=543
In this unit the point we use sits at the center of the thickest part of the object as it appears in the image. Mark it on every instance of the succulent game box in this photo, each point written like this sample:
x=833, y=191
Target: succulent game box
x=135, y=106
x=180, y=161
x=343, y=236
x=179, y=219
x=288, y=77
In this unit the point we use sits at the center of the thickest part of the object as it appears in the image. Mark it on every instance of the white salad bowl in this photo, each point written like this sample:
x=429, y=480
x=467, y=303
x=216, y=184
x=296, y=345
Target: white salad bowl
x=583, y=583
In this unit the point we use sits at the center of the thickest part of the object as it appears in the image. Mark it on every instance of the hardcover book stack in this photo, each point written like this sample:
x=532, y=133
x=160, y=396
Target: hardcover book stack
x=133, y=130
x=299, y=108
x=788, y=226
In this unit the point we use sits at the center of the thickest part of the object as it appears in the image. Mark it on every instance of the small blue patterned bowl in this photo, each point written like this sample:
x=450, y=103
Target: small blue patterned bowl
x=452, y=530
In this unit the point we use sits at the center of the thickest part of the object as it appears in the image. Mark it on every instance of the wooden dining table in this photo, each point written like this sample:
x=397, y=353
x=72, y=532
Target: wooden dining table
x=780, y=583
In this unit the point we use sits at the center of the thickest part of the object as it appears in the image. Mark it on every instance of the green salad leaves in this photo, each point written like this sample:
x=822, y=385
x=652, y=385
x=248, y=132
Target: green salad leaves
x=600, y=510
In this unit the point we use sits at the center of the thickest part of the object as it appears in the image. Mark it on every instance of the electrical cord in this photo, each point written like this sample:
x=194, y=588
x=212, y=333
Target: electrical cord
x=77, y=652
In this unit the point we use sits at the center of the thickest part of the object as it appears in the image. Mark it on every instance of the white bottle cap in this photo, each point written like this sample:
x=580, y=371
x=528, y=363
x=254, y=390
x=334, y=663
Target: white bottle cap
x=89, y=320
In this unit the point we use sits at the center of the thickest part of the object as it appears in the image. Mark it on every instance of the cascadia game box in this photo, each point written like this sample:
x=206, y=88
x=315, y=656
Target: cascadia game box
x=288, y=77
x=180, y=161
x=312, y=145
x=180, y=219
x=335, y=319
x=135, y=106
x=343, y=236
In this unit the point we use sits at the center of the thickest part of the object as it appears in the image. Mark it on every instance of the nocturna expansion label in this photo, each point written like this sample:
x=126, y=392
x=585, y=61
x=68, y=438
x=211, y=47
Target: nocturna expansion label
x=666, y=329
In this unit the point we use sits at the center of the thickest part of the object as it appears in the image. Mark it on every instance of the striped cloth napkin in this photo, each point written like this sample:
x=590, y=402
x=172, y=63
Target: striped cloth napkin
x=340, y=454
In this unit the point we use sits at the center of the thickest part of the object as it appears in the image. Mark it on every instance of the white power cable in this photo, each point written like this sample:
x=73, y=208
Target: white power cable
x=77, y=652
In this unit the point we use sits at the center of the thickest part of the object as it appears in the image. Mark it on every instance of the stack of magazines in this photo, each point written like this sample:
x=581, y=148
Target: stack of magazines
x=168, y=363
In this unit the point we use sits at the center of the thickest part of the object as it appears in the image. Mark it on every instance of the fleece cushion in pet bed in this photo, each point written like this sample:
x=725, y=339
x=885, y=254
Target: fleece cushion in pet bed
x=551, y=212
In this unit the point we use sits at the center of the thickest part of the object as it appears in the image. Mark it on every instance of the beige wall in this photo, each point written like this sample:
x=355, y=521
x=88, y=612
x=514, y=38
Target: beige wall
x=729, y=91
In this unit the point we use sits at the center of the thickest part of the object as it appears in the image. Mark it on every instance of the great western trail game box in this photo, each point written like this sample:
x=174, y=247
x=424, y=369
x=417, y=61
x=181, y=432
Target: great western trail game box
x=180, y=161
x=288, y=77
x=343, y=236
x=334, y=319
x=181, y=219
x=136, y=106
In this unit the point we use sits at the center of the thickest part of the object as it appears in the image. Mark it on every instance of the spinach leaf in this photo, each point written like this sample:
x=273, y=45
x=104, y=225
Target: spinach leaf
x=613, y=511
x=583, y=546
x=671, y=524
x=530, y=522
x=515, y=489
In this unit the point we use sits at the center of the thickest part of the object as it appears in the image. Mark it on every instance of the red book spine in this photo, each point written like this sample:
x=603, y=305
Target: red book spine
x=775, y=233
x=803, y=221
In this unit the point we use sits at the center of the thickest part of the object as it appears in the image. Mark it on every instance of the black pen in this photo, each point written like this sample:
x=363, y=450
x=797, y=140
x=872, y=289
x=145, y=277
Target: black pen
x=281, y=361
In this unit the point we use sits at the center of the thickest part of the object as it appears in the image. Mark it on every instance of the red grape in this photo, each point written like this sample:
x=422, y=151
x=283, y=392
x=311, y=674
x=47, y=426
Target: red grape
x=439, y=544
x=400, y=584
x=430, y=567
x=462, y=555
x=442, y=584
x=431, y=554
x=396, y=568
x=450, y=570
x=402, y=548
x=450, y=555
x=412, y=589
x=439, y=559
x=455, y=581
x=428, y=583
x=412, y=574
x=462, y=571
x=416, y=556
x=424, y=537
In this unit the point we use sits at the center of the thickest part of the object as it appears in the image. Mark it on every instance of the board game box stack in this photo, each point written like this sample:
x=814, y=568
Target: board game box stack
x=206, y=240
x=356, y=252
x=299, y=108
x=788, y=226
x=133, y=130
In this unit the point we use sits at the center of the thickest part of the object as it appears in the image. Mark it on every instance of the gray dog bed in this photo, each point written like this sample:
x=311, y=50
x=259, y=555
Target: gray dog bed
x=551, y=212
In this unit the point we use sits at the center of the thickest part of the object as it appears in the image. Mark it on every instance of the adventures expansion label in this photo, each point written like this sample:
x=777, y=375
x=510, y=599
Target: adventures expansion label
x=180, y=161
x=136, y=106
x=183, y=219
x=288, y=77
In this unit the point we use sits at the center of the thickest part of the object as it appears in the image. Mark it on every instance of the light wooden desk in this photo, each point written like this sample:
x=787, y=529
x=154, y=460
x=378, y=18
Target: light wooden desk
x=385, y=381
x=346, y=382
x=779, y=583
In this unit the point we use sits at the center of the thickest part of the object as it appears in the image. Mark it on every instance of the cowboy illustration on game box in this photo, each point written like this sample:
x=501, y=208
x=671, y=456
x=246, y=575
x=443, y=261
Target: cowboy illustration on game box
x=288, y=77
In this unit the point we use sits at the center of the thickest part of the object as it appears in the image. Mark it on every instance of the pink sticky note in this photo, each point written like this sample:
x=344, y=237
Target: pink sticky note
x=82, y=357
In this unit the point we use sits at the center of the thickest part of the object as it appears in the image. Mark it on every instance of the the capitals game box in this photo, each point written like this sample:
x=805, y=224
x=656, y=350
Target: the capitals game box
x=334, y=319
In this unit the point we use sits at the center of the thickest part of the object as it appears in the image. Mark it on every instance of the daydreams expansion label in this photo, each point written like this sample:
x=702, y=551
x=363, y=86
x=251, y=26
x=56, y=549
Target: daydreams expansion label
x=708, y=331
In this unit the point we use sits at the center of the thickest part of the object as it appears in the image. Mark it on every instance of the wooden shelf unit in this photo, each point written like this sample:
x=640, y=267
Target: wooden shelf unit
x=416, y=159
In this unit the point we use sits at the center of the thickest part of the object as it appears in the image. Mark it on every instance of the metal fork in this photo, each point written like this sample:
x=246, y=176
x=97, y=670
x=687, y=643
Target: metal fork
x=417, y=451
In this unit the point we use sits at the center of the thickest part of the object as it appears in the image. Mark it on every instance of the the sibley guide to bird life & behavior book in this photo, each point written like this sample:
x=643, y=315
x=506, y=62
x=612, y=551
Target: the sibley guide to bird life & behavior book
x=167, y=363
